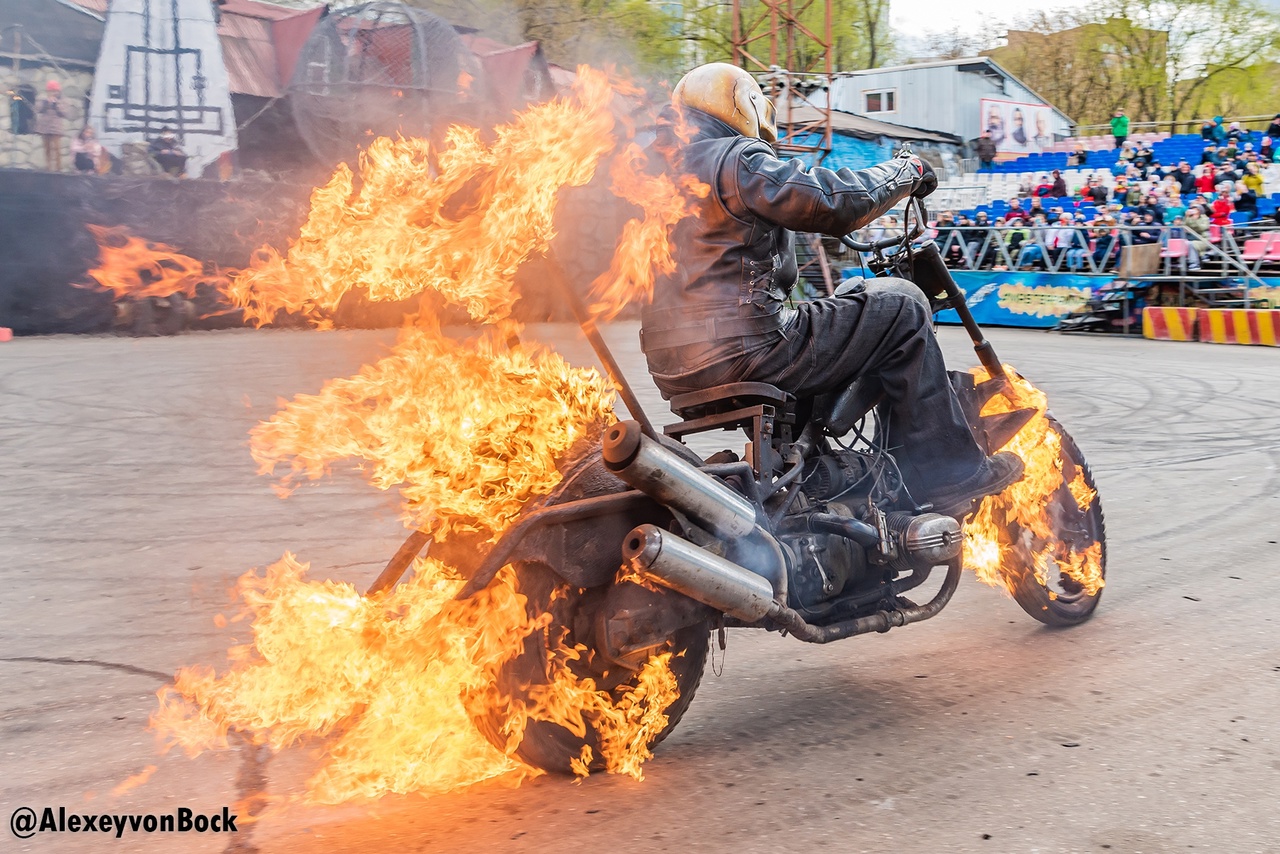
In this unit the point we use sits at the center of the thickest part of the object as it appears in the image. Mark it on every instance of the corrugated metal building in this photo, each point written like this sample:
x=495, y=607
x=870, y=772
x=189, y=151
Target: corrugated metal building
x=942, y=96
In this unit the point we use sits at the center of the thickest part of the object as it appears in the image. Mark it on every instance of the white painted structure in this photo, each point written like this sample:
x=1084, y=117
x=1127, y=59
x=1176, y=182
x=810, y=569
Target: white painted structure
x=161, y=67
x=944, y=96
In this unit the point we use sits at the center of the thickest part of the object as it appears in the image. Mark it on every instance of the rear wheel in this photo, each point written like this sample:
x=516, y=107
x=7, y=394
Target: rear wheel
x=573, y=611
x=1043, y=590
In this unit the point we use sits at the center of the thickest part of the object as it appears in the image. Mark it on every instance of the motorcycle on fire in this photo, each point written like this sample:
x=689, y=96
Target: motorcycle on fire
x=806, y=535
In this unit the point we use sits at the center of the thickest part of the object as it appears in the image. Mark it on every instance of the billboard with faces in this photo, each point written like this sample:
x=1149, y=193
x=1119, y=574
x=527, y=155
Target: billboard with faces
x=1017, y=128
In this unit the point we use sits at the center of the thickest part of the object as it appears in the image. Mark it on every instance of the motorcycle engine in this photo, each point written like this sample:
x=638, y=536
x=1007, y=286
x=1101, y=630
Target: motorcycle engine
x=831, y=475
x=824, y=566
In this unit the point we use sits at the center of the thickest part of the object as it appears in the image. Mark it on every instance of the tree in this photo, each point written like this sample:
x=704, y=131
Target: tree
x=1159, y=59
x=634, y=34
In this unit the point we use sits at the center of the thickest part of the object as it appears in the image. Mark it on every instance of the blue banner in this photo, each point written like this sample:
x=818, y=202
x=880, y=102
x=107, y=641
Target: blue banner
x=999, y=298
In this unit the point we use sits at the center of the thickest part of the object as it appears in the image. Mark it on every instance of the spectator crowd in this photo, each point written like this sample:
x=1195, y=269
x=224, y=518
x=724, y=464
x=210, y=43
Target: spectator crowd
x=1086, y=227
x=88, y=157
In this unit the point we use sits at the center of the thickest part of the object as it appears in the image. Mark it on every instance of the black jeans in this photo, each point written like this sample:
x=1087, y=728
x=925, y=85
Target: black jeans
x=883, y=335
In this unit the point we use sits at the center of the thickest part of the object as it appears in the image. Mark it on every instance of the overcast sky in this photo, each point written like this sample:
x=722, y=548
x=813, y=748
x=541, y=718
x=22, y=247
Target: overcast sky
x=976, y=17
x=972, y=17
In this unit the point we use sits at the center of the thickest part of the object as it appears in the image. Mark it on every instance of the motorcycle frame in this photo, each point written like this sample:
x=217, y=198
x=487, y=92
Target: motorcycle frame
x=757, y=475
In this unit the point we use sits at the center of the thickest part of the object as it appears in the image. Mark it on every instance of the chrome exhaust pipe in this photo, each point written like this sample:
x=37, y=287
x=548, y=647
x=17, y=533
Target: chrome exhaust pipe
x=672, y=481
x=675, y=562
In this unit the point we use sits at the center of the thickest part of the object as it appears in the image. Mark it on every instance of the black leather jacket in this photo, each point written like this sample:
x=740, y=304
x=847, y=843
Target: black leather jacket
x=735, y=258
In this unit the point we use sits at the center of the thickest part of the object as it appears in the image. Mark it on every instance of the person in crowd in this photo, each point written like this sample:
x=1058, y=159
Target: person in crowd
x=1219, y=130
x=1036, y=208
x=167, y=151
x=1236, y=133
x=1222, y=208
x=51, y=115
x=1173, y=207
x=1096, y=192
x=1106, y=242
x=1147, y=230
x=1230, y=152
x=1206, y=131
x=1127, y=152
x=1210, y=155
x=951, y=240
x=1245, y=200
x=86, y=152
x=1015, y=206
x=1043, y=187
x=1197, y=230
x=1185, y=178
x=1144, y=153
x=985, y=148
x=1204, y=179
x=1151, y=205
x=1120, y=127
x=1059, y=187
x=1078, y=249
x=1268, y=151
x=1059, y=238
x=1227, y=172
x=1178, y=230
x=1253, y=179
x=1079, y=157
x=1133, y=196
x=1273, y=129
x=1030, y=249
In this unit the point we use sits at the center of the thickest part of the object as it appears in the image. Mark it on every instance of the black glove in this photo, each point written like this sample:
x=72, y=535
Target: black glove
x=926, y=182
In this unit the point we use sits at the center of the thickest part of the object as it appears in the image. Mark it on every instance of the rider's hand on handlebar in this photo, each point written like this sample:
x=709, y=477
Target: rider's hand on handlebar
x=926, y=182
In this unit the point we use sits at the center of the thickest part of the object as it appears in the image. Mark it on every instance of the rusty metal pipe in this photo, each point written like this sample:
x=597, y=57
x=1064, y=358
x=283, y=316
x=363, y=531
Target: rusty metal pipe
x=881, y=621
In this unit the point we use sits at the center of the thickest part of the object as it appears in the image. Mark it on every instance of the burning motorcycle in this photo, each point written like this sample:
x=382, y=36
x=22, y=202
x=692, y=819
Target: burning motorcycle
x=644, y=549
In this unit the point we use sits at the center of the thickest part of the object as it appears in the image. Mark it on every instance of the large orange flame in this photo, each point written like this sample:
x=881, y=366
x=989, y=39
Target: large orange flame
x=468, y=430
x=1027, y=505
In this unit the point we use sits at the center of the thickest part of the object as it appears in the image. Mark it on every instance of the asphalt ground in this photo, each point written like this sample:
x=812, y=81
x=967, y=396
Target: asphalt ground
x=129, y=505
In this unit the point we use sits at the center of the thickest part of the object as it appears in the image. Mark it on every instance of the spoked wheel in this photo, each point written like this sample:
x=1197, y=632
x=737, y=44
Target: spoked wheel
x=552, y=746
x=1044, y=590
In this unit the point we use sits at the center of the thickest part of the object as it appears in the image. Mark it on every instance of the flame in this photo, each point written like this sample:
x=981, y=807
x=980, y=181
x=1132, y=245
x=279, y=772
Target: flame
x=1029, y=505
x=469, y=431
x=134, y=267
x=134, y=781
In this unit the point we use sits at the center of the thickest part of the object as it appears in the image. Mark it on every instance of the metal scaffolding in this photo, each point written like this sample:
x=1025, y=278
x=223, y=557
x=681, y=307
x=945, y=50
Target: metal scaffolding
x=797, y=71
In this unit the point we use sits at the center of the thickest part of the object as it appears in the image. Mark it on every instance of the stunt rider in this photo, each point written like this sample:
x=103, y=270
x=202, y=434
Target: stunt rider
x=720, y=317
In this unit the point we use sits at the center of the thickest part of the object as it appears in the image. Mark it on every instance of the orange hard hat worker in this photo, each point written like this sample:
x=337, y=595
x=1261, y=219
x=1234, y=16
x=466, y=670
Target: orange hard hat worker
x=730, y=94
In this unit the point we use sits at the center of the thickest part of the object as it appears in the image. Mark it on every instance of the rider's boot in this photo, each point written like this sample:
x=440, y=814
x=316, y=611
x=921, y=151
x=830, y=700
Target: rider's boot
x=995, y=474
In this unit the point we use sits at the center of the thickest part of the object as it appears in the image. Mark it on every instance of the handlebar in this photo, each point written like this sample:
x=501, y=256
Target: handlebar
x=888, y=242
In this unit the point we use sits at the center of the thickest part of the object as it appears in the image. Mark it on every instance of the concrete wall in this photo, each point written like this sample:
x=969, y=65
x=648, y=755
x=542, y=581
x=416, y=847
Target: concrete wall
x=26, y=151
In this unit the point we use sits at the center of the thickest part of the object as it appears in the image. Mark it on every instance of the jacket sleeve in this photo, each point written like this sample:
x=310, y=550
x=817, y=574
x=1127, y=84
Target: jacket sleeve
x=787, y=194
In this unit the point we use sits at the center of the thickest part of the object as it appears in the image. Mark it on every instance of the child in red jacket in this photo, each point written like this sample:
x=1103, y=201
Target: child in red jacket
x=1222, y=209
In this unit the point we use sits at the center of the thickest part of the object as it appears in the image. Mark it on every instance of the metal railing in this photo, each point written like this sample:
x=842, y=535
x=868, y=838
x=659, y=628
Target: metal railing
x=1192, y=260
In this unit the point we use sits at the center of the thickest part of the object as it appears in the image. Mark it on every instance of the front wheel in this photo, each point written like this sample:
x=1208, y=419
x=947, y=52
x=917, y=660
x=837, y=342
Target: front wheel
x=1062, y=574
x=571, y=710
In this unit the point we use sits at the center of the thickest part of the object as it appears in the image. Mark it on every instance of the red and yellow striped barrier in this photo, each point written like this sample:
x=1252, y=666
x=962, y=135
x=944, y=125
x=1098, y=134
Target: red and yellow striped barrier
x=1240, y=326
x=1167, y=323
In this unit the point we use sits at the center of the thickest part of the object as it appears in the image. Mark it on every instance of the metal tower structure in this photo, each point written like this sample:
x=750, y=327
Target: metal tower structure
x=794, y=64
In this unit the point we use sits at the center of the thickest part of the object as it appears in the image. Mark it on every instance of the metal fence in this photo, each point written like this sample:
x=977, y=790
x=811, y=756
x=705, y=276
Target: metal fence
x=1163, y=254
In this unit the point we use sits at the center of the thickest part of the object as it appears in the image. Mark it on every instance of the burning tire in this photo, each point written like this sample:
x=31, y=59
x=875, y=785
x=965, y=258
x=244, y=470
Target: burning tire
x=1044, y=591
x=567, y=640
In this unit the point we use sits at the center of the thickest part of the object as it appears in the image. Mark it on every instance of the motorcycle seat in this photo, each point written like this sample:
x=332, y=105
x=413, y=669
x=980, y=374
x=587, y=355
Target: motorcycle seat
x=730, y=397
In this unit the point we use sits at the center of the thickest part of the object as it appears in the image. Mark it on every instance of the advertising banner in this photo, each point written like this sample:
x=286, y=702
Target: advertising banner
x=1017, y=128
x=1036, y=300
